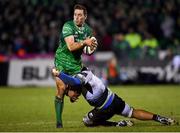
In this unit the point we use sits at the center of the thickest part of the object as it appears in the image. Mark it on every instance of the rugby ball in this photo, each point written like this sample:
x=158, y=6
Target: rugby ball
x=88, y=50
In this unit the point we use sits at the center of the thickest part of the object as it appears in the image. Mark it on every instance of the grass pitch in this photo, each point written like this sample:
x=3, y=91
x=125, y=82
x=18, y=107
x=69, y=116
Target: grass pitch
x=32, y=109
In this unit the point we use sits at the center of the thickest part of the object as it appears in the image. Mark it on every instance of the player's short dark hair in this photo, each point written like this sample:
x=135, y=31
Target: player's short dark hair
x=81, y=7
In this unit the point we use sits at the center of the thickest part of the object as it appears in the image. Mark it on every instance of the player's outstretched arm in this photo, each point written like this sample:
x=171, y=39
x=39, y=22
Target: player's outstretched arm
x=67, y=79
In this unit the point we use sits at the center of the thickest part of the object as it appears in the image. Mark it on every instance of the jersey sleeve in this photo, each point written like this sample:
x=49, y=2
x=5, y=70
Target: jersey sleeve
x=69, y=79
x=67, y=30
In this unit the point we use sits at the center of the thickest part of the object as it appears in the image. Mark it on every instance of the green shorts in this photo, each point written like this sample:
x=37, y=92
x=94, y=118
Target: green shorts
x=67, y=69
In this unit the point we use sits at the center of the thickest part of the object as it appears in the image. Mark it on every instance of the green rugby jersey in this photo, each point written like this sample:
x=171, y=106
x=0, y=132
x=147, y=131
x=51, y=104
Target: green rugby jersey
x=65, y=60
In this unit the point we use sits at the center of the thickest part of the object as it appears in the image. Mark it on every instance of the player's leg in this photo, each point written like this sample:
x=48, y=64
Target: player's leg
x=125, y=110
x=61, y=80
x=59, y=101
x=145, y=115
x=119, y=107
x=142, y=114
x=98, y=117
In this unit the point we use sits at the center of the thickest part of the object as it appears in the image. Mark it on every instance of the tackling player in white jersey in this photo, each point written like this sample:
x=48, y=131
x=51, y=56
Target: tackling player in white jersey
x=106, y=103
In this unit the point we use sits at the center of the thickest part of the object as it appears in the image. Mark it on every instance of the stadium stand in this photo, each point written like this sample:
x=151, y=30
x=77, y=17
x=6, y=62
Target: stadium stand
x=32, y=26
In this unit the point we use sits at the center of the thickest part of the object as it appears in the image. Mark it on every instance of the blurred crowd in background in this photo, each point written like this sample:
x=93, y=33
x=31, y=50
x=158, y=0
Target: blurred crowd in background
x=129, y=28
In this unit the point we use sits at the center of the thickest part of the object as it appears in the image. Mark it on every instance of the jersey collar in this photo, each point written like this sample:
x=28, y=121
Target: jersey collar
x=79, y=28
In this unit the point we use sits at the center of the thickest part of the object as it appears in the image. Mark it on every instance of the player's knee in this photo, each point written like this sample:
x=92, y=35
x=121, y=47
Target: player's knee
x=128, y=111
x=87, y=121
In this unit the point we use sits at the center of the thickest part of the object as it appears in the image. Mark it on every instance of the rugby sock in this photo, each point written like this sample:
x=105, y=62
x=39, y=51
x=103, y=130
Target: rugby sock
x=59, y=109
x=155, y=117
x=160, y=119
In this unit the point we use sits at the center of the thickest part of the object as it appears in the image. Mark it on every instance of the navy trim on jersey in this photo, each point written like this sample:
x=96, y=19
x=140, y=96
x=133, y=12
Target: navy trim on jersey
x=110, y=100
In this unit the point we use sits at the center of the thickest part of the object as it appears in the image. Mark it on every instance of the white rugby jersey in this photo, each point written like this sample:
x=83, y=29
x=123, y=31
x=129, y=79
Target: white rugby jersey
x=93, y=90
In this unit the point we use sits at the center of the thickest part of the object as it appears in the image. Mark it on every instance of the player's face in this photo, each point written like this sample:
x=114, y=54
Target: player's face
x=79, y=17
x=73, y=95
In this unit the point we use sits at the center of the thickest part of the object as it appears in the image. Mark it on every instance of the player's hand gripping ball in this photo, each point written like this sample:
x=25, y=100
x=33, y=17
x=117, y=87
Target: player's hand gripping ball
x=90, y=50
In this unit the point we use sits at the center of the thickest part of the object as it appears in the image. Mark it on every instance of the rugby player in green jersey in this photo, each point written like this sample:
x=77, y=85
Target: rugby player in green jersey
x=74, y=36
